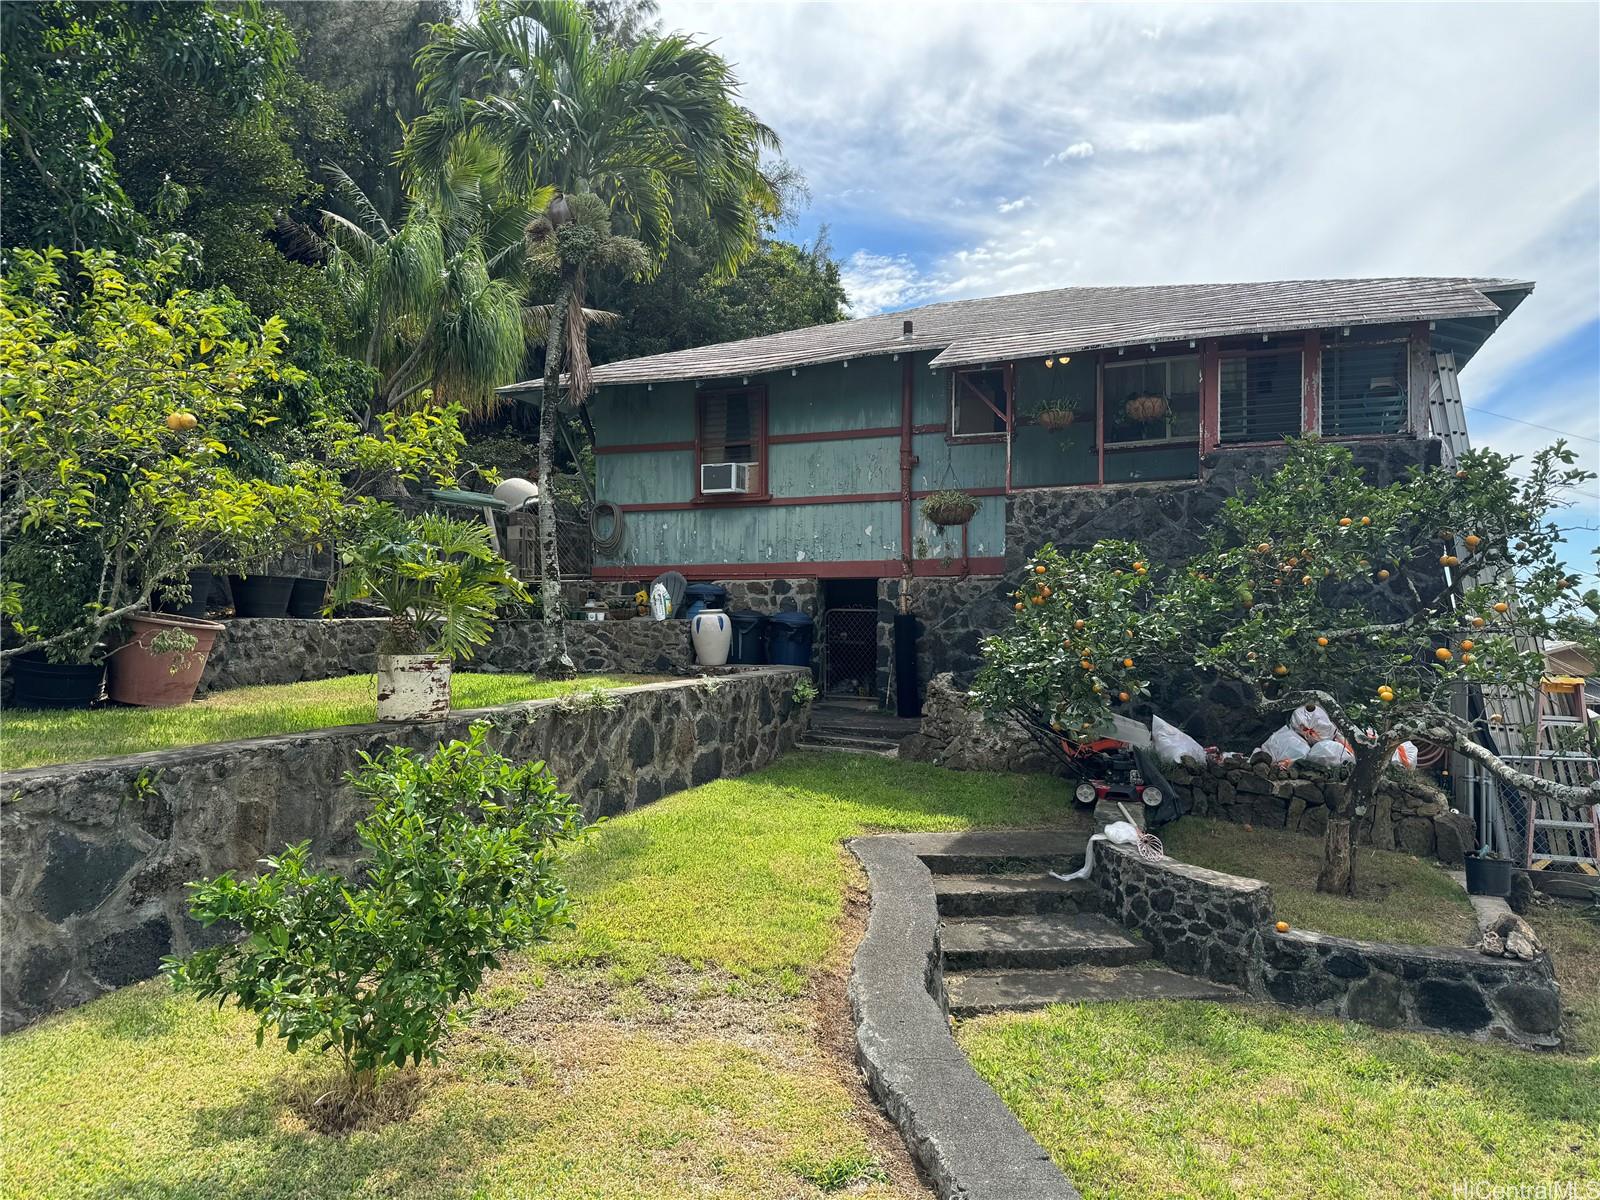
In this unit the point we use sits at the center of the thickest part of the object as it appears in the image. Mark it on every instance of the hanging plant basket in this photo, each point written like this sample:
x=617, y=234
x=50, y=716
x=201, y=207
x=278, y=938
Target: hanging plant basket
x=949, y=508
x=1147, y=409
x=1056, y=419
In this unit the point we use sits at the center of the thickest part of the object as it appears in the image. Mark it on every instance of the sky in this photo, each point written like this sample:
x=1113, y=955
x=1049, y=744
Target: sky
x=976, y=149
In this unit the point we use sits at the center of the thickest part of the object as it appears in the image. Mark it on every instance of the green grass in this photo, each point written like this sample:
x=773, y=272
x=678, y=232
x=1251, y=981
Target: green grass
x=36, y=737
x=1200, y=1100
x=1398, y=898
x=603, y=1067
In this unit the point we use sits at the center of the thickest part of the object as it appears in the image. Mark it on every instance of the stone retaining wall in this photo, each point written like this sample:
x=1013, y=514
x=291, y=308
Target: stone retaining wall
x=261, y=651
x=954, y=734
x=1220, y=927
x=95, y=855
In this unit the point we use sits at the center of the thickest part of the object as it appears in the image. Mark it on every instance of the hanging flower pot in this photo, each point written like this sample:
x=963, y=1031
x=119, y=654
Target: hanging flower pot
x=949, y=508
x=1147, y=409
x=1056, y=419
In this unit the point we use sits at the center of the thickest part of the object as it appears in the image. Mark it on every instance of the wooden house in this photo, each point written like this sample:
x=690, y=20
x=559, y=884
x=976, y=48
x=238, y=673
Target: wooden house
x=798, y=460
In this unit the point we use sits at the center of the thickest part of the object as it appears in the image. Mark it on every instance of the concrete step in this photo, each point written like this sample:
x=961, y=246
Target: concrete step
x=826, y=740
x=1042, y=940
x=974, y=993
x=864, y=724
x=1004, y=851
x=1011, y=895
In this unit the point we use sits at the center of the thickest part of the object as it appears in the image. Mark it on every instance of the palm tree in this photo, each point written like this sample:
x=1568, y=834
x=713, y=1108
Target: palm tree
x=642, y=135
x=437, y=303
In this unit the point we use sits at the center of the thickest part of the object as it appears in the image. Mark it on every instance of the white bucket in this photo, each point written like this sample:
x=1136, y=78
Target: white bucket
x=413, y=687
x=712, y=633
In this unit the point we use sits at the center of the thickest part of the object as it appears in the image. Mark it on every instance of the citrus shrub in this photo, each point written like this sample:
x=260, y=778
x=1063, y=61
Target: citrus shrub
x=147, y=429
x=1317, y=587
x=458, y=868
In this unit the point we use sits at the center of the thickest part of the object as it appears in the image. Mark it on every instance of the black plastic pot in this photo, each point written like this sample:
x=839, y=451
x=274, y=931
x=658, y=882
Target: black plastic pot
x=199, y=597
x=1488, y=876
x=261, y=595
x=305, y=599
x=41, y=684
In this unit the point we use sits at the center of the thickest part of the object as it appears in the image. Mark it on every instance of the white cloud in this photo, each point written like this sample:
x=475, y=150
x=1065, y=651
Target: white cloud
x=1076, y=150
x=1228, y=143
x=1007, y=206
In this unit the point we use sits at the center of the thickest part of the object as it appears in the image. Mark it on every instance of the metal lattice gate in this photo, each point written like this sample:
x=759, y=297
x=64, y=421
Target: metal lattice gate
x=850, y=651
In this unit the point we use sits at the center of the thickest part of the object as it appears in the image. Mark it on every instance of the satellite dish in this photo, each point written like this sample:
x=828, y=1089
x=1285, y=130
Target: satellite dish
x=516, y=494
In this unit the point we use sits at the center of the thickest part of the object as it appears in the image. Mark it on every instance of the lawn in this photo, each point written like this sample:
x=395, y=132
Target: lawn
x=1398, y=898
x=35, y=737
x=1203, y=1100
x=683, y=1040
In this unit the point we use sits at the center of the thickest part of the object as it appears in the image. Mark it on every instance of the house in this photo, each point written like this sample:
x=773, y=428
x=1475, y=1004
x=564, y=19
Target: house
x=793, y=465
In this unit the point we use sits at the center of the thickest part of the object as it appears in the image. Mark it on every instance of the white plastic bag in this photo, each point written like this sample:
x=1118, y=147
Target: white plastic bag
x=1286, y=746
x=1173, y=745
x=1118, y=831
x=1329, y=753
x=660, y=603
x=1313, y=724
x=1405, y=755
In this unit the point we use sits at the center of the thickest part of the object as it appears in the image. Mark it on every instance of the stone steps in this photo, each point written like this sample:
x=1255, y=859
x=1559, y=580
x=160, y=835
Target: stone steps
x=818, y=739
x=1011, y=895
x=1040, y=940
x=1003, y=852
x=976, y=993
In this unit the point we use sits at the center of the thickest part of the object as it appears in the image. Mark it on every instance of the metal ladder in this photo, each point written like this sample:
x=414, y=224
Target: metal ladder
x=1564, y=833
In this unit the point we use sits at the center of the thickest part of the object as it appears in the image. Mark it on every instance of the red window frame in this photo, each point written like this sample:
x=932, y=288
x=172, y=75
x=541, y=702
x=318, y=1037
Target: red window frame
x=758, y=400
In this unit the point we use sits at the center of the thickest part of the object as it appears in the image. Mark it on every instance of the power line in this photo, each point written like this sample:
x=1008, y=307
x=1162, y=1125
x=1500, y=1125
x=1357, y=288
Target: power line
x=1582, y=437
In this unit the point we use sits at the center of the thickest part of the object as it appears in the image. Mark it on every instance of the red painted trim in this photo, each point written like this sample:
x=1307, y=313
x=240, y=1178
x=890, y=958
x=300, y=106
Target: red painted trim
x=648, y=447
x=936, y=427
x=1311, y=384
x=790, y=501
x=852, y=569
x=833, y=435
x=763, y=461
x=1100, y=419
x=1210, y=397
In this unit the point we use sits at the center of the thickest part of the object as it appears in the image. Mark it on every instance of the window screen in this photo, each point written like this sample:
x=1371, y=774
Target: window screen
x=1261, y=397
x=732, y=428
x=969, y=414
x=1363, y=389
x=1134, y=389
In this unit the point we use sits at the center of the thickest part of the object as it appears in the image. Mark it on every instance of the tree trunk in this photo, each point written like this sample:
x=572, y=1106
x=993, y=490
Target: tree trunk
x=558, y=663
x=1338, y=875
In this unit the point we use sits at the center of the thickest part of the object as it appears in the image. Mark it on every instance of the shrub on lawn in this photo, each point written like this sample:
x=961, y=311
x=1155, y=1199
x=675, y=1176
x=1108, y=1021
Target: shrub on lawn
x=457, y=870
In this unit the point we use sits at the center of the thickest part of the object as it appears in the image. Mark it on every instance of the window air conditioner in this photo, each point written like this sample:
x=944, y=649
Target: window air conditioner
x=724, y=479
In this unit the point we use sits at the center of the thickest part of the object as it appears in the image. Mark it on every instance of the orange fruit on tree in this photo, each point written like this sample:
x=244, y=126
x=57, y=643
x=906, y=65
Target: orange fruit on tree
x=1344, y=521
x=1038, y=570
x=1478, y=622
x=1466, y=658
x=1322, y=641
x=1078, y=624
x=1467, y=643
x=1038, y=599
x=1502, y=607
x=1305, y=580
x=1123, y=696
x=1264, y=548
x=1280, y=670
x=1046, y=591
x=1017, y=606
x=1282, y=927
x=1461, y=474
x=1473, y=540
x=1443, y=654
x=1383, y=574
x=1366, y=520
x=1127, y=662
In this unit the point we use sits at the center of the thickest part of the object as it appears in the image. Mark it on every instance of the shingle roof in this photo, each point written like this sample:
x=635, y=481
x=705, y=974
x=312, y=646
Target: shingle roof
x=1067, y=320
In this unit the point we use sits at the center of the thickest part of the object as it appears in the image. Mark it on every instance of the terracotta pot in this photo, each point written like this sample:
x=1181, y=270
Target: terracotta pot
x=413, y=687
x=155, y=678
x=712, y=634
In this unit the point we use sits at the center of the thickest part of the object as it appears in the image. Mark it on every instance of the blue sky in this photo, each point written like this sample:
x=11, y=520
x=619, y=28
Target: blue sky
x=972, y=149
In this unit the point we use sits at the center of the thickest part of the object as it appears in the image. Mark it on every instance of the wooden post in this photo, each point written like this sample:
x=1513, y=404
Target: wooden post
x=1311, y=384
x=907, y=462
x=1419, y=366
x=1100, y=417
x=1210, y=397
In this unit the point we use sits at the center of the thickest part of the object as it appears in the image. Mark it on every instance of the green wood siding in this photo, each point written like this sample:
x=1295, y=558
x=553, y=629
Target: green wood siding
x=842, y=467
x=864, y=395
x=799, y=534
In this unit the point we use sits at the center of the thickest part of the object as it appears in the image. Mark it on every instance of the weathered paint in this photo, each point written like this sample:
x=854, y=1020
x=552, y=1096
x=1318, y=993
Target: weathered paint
x=413, y=687
x=838, y=431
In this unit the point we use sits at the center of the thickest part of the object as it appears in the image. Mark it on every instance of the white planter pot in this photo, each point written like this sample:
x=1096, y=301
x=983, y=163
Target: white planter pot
x=712, y=633
x=413, y=687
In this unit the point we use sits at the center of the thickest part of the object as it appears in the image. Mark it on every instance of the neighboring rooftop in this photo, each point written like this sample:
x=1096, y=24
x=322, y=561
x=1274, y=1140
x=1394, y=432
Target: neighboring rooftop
x=1069, y=320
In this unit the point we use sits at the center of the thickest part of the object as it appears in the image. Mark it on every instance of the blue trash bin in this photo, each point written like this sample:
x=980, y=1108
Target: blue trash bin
x=702, y=595
x=789, y=637
x=749, y=637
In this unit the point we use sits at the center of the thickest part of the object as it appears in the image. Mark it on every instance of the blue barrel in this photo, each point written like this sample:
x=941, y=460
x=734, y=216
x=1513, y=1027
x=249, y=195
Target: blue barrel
x=789, y=637
x=749, y=637
x=702, y=595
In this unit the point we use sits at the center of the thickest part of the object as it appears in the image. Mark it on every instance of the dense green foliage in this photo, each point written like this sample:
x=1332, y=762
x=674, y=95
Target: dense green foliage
x=1378, y=603
x=439, y=578
x=144, y=435
x=458, y=868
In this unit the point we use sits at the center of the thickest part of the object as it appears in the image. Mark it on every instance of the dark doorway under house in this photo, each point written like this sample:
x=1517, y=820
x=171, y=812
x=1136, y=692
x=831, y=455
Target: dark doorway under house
x=850, y=637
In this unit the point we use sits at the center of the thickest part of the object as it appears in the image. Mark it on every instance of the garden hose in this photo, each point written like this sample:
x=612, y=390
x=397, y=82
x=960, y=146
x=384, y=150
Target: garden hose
x=608, y=544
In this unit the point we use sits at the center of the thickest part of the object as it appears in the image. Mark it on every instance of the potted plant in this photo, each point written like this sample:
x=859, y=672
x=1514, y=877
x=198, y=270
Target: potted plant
x=153, y=443
x=1488, y=873
x=1147, y=409
x=160, y=664
x=48, y=581
x=1056, y=415
x=949, y=507
x=443, y=585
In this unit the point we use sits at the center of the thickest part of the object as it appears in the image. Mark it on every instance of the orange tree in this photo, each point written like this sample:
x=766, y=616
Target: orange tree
x=1383, y=604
